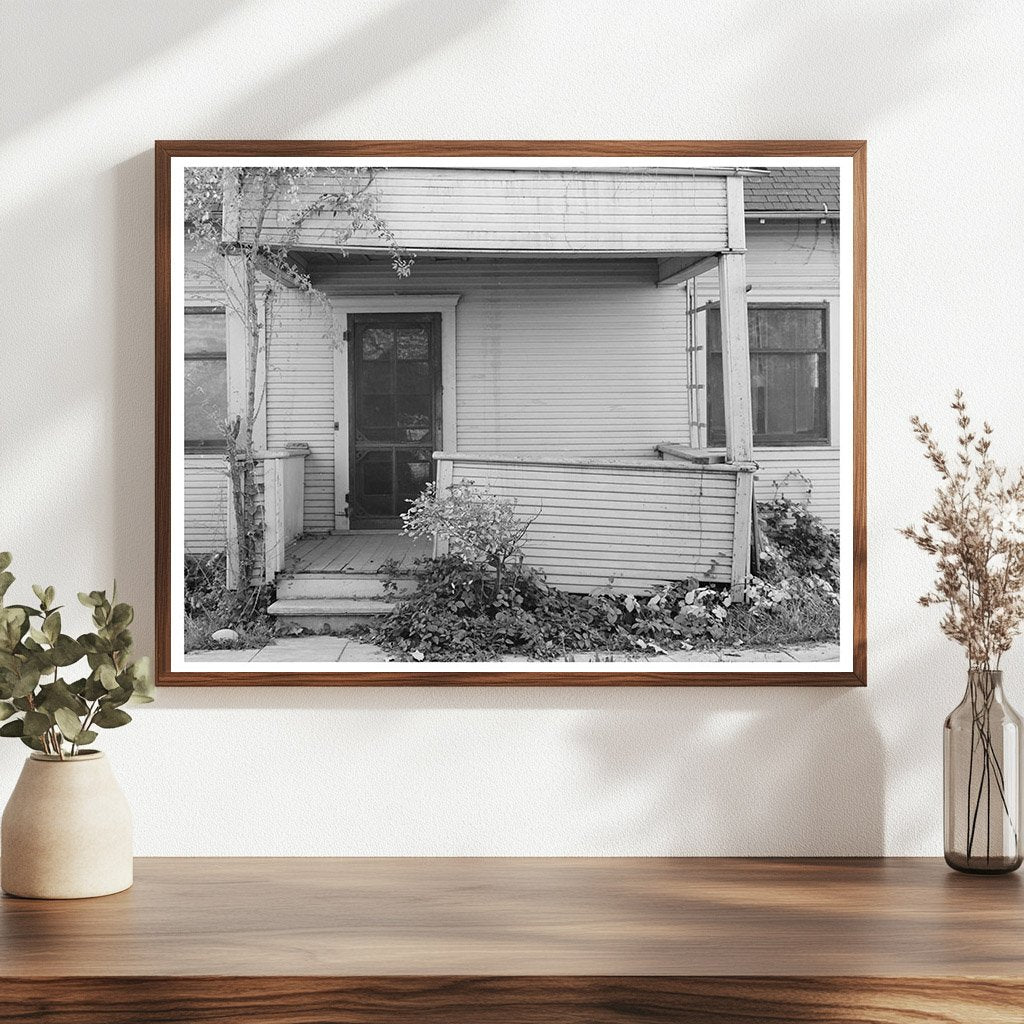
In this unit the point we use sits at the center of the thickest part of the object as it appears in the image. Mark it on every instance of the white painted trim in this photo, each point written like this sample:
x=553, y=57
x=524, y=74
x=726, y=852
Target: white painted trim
x=345, y=305
x=835, y=427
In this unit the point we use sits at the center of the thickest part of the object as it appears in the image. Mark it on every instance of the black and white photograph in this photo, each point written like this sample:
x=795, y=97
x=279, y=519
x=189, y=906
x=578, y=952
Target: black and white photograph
x=511, y=413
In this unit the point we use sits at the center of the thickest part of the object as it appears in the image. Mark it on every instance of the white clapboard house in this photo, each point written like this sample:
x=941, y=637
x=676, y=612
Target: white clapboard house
x=627, y=353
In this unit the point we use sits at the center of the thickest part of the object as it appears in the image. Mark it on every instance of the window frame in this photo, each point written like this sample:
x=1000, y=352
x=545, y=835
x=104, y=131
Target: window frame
x=200, y=446
x=825, y=353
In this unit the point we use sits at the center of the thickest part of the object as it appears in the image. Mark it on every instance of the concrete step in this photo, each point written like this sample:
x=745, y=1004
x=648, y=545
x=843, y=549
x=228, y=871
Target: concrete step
x=336, y=613
x=334, y=586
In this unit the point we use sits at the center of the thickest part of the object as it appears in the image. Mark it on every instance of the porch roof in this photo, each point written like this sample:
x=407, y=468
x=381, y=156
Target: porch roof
x=532, y=211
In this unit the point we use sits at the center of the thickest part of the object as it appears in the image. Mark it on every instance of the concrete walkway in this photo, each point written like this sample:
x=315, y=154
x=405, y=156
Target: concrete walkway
x=347, y=649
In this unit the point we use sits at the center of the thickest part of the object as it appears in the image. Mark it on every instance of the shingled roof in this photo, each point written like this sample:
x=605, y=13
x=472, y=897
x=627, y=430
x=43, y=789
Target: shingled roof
x=793, y=190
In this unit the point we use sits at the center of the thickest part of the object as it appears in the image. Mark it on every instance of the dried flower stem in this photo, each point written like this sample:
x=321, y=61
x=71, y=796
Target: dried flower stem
x=975, y=531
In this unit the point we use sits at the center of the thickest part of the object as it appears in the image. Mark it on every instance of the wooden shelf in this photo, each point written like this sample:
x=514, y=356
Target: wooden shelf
x=573, y=941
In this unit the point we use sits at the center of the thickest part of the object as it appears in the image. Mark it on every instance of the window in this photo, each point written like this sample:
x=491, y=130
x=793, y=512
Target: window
x=206, y=378
x=788, y=374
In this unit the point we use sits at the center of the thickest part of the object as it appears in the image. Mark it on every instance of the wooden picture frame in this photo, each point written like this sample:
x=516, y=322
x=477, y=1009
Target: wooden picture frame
x=727, y=257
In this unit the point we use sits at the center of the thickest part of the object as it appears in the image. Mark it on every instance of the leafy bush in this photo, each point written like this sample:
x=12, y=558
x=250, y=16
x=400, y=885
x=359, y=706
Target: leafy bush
x=210, y=606
x=796, y=543
x=57, y=717
x=481, y=602
x=457, y=614
x=483, y=528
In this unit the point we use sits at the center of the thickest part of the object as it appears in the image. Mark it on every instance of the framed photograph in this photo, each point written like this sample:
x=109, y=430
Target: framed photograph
x=492, y=413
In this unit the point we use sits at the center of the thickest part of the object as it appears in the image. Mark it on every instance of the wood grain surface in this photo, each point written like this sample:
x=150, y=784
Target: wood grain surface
x=568, y=940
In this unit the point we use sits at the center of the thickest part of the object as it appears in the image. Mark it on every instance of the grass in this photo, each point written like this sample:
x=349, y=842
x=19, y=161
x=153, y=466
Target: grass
x=210, y=606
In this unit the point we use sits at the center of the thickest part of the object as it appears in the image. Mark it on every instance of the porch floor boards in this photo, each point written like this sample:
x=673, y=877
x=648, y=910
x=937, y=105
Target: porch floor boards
x=356, y=553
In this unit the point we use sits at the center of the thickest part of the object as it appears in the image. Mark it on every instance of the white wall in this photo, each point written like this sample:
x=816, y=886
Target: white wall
x=934, y=86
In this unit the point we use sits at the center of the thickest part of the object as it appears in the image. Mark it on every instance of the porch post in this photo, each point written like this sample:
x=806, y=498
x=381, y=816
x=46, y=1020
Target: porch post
x=732, y=287
x=739, y=429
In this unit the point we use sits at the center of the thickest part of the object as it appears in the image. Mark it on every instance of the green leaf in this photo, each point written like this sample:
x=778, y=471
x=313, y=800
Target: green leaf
x=6, y=710
x=111, y=718
x=89, y=600
x=13, y=625
x=50, y=595
x=59, y=695
x=36, y=723
x=142, y=682
x=27, y=681
x=5, y=560
x=115, y=698
x=122, y=616
x=31, y=741
x=86, y=736
x=107, y=676
x=69, y=724
x=38, y=635
x=6, y=579
x=94, y=689
x=66, y=651
x=13, y=728
x=40, y=593
x=51, y=626
x=94, y=645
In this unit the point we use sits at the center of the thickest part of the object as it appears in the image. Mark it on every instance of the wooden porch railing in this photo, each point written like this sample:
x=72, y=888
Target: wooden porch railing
x=622, y=524
x=283, y=503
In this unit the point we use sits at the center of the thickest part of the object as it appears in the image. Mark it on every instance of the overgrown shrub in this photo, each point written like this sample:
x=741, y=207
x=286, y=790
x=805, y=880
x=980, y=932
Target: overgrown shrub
x=797, y=543
x=463, y=611
x=483, y=528
x=210, y=606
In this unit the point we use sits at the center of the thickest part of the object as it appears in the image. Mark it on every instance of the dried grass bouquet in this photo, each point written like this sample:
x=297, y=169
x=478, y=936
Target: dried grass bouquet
x=975, y=530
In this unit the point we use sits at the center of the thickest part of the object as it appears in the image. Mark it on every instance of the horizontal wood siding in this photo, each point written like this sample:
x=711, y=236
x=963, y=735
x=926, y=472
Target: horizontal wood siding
x=578, y=357
x=463, y=209
x=807, y=475
x=786, y=259
x=792, y=260
x=300, y=398
x=206, y=503
x=624, y=529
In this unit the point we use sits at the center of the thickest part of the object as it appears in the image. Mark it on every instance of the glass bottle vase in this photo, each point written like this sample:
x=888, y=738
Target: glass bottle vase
x=981, y=771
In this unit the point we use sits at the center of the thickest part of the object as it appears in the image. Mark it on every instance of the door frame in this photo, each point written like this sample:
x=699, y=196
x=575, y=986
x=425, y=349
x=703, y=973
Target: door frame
x=346, y=305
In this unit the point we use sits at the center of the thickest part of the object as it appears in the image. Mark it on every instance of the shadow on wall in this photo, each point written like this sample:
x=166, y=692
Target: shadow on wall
x=383, y=47
x=394, y=39
x=73, y=30
x=694, y=771
x=739, y=770
x=786, y=50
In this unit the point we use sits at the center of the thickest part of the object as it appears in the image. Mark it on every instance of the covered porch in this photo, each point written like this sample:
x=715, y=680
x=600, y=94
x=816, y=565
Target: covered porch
x=508, y=405
x=357, y=553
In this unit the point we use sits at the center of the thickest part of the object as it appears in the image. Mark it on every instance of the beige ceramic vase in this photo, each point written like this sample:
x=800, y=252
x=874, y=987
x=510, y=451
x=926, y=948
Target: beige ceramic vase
x=66, y=831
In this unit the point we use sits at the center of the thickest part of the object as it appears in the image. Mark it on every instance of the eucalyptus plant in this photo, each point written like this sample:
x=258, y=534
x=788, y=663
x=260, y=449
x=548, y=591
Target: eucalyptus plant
x=37, y=703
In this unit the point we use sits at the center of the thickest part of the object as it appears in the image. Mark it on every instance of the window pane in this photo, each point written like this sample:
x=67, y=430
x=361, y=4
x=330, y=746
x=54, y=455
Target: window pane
x=789, y=391
x=205, y=333
x=413, y=343
x=714, y=330
x=377, y=342
x=206, y=399
x=801, y=329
